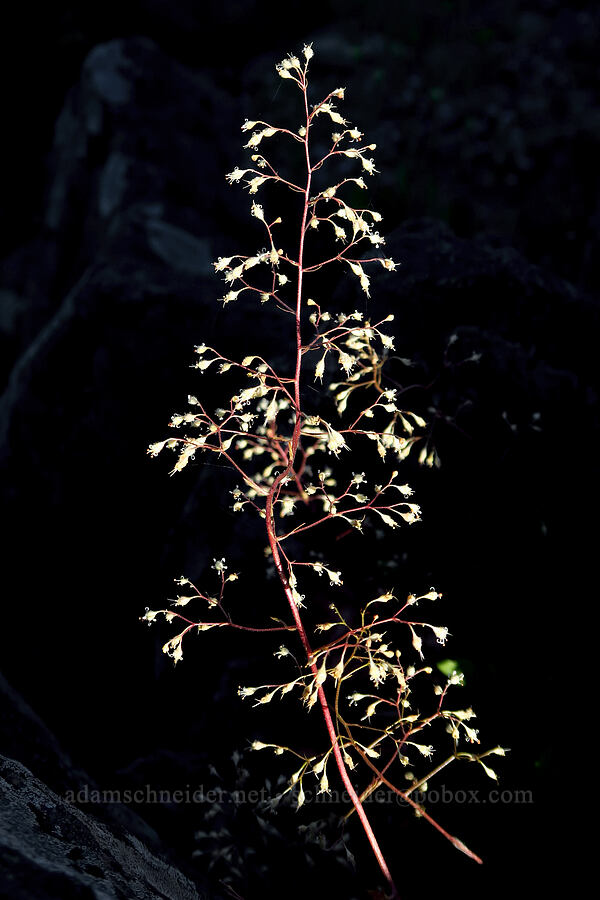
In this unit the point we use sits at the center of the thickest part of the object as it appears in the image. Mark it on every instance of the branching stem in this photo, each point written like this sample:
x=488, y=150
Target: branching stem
x=274, y=539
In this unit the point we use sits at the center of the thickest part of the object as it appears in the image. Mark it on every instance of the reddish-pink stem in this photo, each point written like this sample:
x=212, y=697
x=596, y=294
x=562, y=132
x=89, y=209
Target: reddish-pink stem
x=274, y=540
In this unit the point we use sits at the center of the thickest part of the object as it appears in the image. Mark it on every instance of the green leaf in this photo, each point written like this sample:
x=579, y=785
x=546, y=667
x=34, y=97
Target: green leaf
x=448, y=666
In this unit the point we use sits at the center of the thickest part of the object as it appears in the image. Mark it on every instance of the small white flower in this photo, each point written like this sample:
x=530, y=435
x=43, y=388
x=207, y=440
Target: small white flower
x=424, y=749
x=234, y=274
x=150, y=615
x=287, y=506
x=441, y=633
x=354, y=698
x=255, y=183
x=336, y=442
x=220, y=266
x=246, y=691
x=229, y=297
x=154, y=449
x=368, y=165
x=363, y=277
x=236, y=175
x=324, y=785
x=417, y=642
x=377, y=672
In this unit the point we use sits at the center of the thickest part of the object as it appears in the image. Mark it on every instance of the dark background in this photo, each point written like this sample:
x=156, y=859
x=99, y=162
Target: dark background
x=119, y=123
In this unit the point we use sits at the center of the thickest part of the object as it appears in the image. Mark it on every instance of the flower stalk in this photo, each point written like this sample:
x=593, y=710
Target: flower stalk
x=277, y=445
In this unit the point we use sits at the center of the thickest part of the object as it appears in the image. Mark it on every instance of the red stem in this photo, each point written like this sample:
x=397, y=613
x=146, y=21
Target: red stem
x=274, y=539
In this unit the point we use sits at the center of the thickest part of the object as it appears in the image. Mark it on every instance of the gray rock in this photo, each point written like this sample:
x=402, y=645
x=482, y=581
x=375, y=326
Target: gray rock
x=26, y=738
x=444, y=281
x=138, y=127
x=138, y=130
x=51, y=850
x=107, y=67
x=179, y=249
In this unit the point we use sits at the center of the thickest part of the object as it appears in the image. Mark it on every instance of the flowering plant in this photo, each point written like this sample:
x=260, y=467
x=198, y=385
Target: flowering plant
x=291, y=461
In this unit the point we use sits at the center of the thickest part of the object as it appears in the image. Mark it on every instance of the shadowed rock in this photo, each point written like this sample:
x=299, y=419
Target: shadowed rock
x=50, y=850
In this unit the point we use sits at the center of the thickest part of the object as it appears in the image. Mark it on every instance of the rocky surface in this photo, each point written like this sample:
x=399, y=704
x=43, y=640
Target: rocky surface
x=50, y=849
x=27, y=739
x=63, y=835
x=133, y=162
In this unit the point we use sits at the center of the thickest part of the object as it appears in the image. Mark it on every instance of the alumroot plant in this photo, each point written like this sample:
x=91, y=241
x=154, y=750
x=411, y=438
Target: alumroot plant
x=292, y=466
